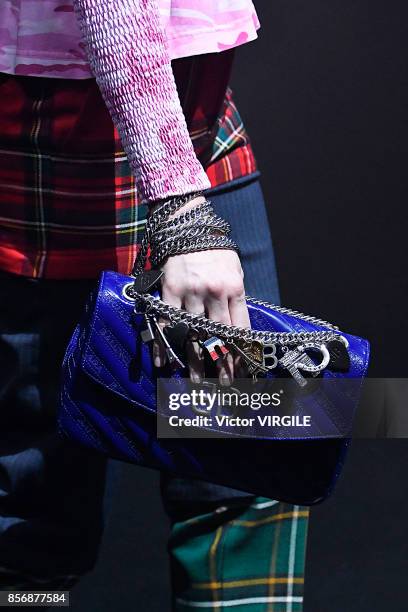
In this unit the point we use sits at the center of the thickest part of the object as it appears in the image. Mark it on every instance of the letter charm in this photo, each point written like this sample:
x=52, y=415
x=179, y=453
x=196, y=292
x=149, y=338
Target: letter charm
x=297, y=359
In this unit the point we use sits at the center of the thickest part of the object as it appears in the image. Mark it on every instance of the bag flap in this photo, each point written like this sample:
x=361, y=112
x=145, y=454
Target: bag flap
x=112, y=354
x=114, y=357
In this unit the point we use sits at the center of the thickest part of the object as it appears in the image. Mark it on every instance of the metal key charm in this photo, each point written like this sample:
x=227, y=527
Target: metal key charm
x=297, y=359
x=173, y=359
x=147, y=335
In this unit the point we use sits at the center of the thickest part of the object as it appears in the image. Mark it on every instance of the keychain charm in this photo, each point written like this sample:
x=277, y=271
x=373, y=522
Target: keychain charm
x=177, y=336
x=253, y=357
x=215, y=348
x=270, y=359
x=147, y=335
x=297, y=359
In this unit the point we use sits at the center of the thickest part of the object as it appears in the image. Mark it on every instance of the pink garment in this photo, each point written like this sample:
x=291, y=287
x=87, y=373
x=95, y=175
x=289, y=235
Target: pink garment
x=42, y=37
x=127, y=49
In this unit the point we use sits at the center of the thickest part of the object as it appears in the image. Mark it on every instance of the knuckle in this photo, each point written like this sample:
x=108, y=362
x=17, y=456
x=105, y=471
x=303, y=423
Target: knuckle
x=236, y=287
x=194, y=286
x=215, y=287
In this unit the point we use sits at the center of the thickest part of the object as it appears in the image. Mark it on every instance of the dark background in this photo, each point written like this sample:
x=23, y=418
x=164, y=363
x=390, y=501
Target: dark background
x=323, y=93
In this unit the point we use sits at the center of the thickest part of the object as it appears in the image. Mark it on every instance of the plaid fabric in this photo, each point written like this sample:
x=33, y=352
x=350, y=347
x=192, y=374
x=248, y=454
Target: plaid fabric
x=248, y=558
x=68, y=202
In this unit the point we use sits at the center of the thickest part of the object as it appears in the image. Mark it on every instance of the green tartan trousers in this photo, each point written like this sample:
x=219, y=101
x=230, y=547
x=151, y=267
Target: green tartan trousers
x=243, y=557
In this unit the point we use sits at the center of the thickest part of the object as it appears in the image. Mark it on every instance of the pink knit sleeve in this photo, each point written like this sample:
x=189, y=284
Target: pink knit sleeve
x=128, y=55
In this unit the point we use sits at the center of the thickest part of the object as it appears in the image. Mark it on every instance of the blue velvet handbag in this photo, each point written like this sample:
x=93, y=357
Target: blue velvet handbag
x=109, y=401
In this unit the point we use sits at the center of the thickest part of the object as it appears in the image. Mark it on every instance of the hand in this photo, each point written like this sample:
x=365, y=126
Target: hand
x=209, y=282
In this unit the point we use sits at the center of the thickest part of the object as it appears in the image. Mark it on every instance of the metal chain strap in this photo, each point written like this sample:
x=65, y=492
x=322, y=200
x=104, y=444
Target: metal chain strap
x=199, y=322
x=167, y=208
x=201, y=243
x=199, y=226
x=197, y=229
x=292, y=313
x=230, y=332
x=191, y=215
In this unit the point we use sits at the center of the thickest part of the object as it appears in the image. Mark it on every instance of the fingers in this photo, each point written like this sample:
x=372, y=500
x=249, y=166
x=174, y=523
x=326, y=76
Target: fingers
x=239, y=317
x=239, y=311
x=169, y=296
x=209, y=282
x=193, y=303
x=218, y=310
x=159, y=354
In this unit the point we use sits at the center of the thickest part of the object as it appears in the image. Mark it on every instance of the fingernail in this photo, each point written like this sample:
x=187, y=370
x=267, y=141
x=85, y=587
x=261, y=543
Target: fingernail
x=196, y=378
x=157, y=361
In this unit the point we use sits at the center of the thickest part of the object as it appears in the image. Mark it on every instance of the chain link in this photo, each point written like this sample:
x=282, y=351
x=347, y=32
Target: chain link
x=200, y=243
x=163, y=212
x=234, y=333
x=293, y=313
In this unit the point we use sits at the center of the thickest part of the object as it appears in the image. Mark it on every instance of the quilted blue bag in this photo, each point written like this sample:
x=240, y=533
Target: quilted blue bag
x=109, y=393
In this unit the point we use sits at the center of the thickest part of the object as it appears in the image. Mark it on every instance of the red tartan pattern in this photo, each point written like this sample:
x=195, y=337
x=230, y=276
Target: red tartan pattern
x=68, y=203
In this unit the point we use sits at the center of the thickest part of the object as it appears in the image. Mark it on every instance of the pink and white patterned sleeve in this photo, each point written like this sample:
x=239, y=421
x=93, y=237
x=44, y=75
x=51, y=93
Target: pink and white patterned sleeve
x=128, y=54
